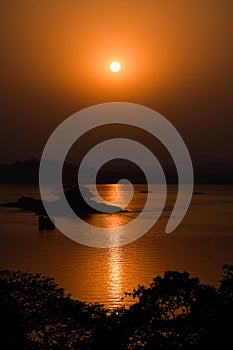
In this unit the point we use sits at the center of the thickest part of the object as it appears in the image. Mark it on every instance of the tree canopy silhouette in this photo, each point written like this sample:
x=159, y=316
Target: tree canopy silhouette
x=175, y=312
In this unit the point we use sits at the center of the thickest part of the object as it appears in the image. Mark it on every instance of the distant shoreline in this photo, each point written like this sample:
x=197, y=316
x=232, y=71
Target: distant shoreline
x=27, y=173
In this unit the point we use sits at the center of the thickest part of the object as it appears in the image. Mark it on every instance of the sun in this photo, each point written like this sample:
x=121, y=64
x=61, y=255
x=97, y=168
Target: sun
x=115, y=66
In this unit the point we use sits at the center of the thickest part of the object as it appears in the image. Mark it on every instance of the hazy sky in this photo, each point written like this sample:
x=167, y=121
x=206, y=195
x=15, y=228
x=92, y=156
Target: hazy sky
x=177, y=58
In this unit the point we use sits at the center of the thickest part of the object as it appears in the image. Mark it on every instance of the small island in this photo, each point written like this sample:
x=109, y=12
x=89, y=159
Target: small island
x=80, y=206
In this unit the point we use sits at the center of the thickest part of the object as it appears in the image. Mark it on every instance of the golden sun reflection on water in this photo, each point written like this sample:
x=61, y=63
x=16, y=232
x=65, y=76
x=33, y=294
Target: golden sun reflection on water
x=115, y=258
x=115, y=275
x=110, y=193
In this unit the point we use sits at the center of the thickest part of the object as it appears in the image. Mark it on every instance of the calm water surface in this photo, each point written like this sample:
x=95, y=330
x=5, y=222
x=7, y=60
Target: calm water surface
x=201, y=244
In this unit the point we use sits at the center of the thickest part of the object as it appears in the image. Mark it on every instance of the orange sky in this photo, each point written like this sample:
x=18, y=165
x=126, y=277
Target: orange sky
x=176, y=57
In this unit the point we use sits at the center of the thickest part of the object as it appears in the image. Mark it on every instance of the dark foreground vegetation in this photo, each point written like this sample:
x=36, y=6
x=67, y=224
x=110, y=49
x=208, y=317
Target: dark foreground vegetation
x=174, y=312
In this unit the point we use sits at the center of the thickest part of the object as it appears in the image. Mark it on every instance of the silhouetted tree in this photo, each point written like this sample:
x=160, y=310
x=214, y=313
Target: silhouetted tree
x=46, y=317
x=174, y=312
x=178, y=312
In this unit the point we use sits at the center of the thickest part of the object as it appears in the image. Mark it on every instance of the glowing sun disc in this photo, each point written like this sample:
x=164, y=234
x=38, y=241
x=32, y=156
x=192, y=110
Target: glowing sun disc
x=115, y=66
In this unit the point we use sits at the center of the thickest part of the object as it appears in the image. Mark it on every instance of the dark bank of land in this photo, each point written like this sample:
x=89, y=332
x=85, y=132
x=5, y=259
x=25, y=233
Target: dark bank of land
x=74, y=198
x=27, y=173
x=175, y=312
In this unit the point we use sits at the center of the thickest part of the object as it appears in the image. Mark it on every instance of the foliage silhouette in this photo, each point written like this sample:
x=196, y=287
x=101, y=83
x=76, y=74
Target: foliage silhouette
x=174, y=312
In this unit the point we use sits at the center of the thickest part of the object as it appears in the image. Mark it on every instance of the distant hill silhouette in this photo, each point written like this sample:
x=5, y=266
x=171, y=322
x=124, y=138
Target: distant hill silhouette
x=27, y=172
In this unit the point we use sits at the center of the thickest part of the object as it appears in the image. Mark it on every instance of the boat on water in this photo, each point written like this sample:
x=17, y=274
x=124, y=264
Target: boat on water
x=45, y=223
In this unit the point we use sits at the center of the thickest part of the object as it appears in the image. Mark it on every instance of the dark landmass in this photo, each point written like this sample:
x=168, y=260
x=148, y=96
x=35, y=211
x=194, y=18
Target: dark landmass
x=74, y=198
x=175, y=312
x=27, y=173
x=28, y=204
